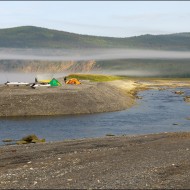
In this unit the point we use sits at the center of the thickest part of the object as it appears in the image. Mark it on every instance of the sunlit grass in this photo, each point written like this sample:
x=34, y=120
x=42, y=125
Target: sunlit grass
x=96, y=78
x=104, y=78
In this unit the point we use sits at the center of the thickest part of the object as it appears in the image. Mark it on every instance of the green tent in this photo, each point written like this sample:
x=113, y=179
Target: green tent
x=55, y=82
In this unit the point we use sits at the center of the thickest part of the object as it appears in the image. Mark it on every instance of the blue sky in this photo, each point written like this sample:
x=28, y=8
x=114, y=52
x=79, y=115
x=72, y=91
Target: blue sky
x=100, y=18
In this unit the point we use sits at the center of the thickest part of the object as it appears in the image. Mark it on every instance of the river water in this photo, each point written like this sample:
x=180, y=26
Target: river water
x=157, y=111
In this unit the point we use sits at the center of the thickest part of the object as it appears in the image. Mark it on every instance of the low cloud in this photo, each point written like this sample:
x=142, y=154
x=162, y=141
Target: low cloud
x=88, y=54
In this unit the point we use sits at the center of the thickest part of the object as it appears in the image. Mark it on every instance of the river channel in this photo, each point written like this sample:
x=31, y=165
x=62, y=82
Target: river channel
x=157, y=111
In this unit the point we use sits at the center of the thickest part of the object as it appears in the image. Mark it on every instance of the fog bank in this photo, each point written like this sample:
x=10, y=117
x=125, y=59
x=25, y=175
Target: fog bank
x=88, y=54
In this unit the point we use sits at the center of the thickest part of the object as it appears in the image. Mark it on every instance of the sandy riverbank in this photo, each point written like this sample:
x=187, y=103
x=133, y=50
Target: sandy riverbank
x=128, y=162
x=142, y=162
x=90, y=97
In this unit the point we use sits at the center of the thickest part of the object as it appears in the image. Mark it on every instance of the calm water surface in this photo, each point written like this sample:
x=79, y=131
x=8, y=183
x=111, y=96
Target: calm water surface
x=158, y=111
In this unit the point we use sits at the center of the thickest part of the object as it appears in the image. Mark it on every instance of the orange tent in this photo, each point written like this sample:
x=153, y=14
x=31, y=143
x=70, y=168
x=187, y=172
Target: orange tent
x=73, y=81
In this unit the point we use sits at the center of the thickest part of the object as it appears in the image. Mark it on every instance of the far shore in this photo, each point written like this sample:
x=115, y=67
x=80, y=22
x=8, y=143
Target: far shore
x=87, y=98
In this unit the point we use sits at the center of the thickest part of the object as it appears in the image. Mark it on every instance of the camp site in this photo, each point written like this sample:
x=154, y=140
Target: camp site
x=45, y=81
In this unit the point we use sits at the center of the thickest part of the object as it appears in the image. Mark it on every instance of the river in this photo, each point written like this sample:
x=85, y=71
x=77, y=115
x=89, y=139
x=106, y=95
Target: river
x=157, y=111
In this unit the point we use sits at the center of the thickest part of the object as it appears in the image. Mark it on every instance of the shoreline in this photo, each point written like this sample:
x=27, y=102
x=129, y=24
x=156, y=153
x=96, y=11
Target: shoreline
x=87, y=98
x=155, y=161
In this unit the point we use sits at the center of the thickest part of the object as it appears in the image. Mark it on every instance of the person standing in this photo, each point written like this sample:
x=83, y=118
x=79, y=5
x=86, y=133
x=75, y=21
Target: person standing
x=65, y=79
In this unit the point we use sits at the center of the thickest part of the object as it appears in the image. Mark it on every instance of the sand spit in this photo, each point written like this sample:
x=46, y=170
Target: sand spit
x=90, y=97
x=157, y=161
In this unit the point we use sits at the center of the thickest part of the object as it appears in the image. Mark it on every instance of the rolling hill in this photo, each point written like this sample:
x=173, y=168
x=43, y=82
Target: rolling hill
x=36, y=37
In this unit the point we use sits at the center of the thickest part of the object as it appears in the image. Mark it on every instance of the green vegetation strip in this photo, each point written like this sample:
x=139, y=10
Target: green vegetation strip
x=96, y=78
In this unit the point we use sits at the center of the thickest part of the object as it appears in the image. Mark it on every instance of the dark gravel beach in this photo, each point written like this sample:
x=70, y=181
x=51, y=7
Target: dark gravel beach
x=89, y=97
x=156, y=161
x=138, y=162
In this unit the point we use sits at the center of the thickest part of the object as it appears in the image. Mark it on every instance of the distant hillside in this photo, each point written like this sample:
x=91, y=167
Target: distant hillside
x=36, y=37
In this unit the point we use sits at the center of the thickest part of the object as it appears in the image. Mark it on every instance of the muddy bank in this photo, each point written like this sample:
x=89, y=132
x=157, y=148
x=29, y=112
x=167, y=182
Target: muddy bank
x=146, y=161
x=90, y=97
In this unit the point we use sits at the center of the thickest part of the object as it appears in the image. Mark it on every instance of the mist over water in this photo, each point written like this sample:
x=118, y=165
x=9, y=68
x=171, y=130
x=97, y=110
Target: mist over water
x=27, y=77
x=88, y=54
x=13, y=76
x=135, y=62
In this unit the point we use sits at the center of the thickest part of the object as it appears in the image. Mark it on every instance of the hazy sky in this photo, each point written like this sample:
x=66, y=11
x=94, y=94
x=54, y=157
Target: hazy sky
x=100, y=18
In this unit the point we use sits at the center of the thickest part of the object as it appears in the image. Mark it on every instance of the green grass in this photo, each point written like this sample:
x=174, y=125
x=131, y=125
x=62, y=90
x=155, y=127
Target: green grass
x=96, y=78
x=106, y=78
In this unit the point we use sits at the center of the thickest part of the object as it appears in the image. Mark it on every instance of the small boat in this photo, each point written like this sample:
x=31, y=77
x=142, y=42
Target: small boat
x=16, y=83
x=39, y=85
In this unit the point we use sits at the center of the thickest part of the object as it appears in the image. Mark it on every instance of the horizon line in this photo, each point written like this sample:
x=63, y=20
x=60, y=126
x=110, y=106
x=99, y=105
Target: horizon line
x=89, y=34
